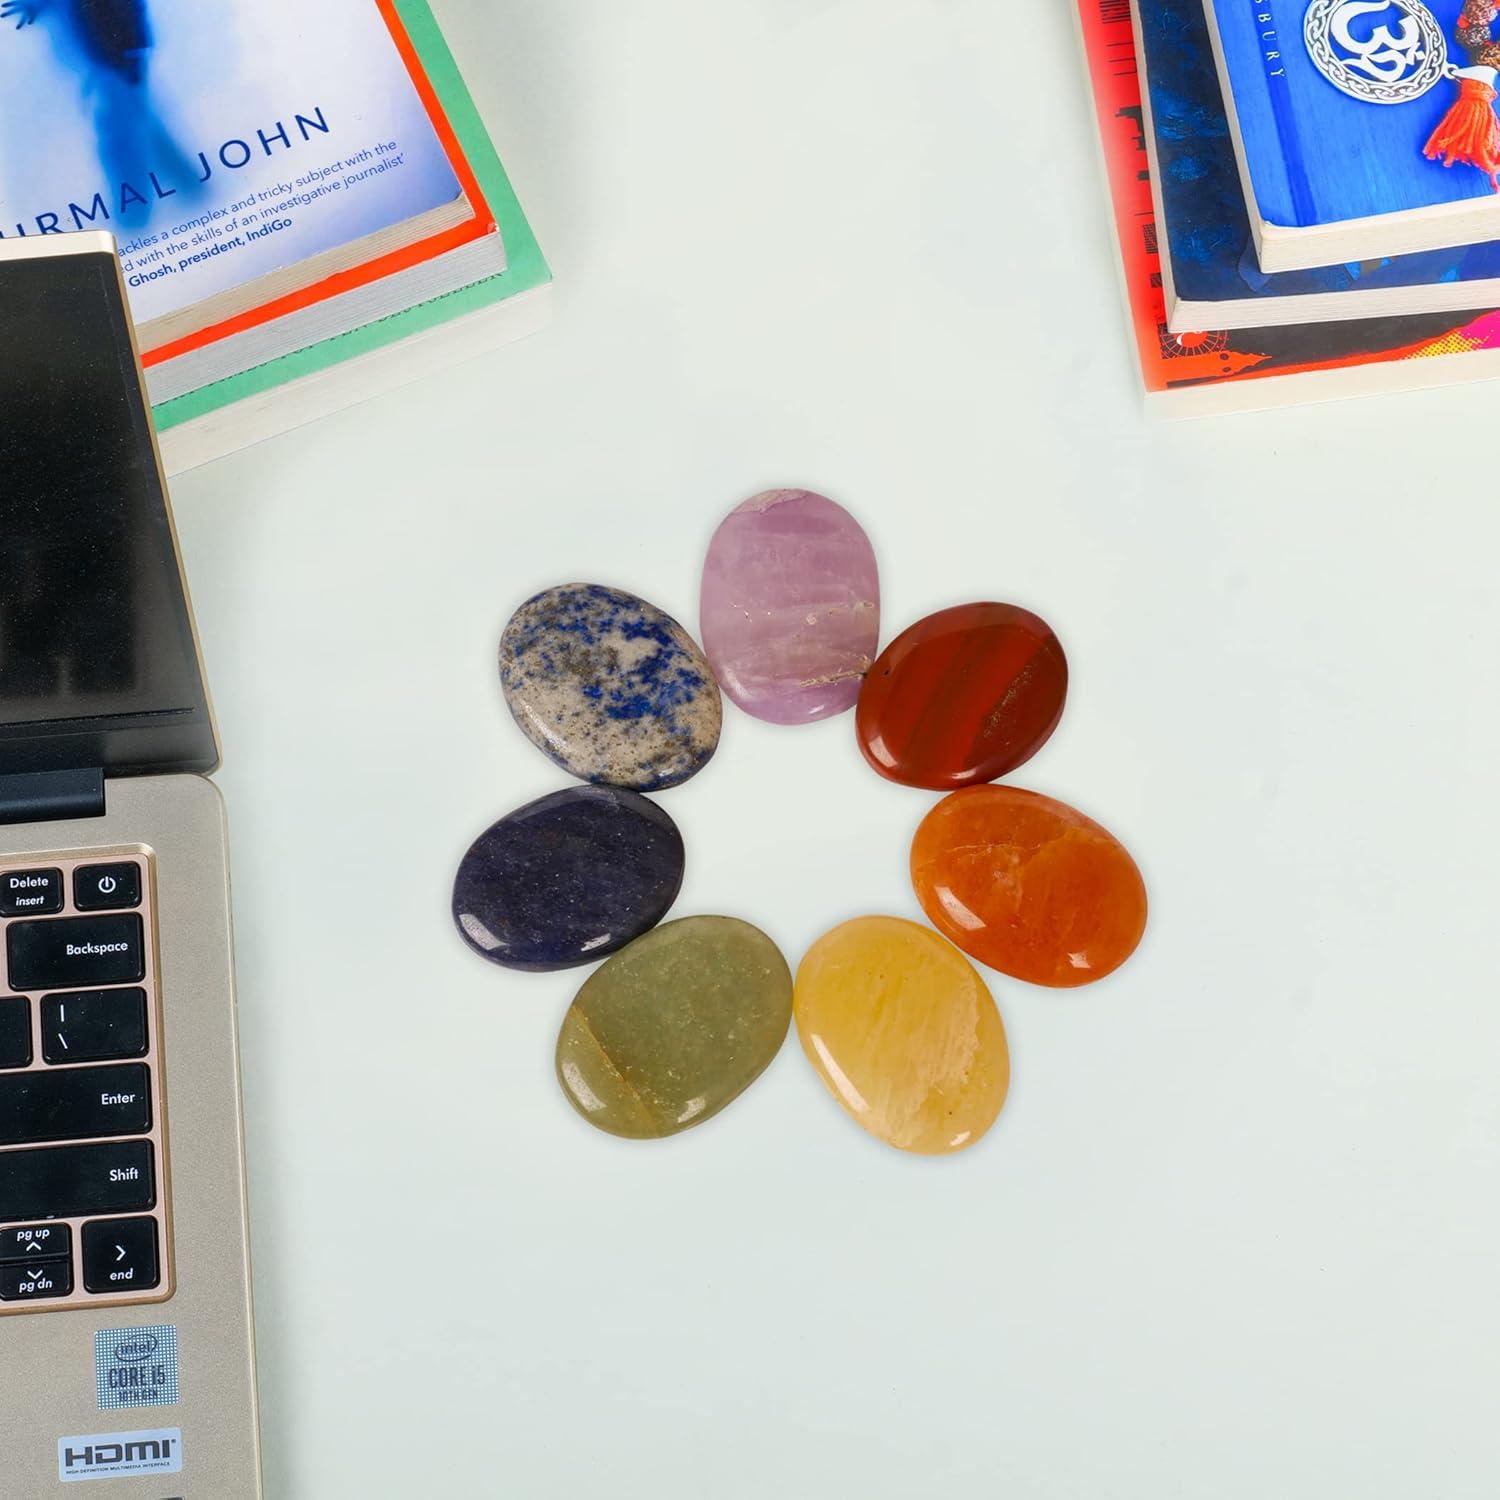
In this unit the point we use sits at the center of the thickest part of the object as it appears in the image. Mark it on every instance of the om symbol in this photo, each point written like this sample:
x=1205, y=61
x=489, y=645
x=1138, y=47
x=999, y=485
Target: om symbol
x=1402, y=56
x=1386, y=58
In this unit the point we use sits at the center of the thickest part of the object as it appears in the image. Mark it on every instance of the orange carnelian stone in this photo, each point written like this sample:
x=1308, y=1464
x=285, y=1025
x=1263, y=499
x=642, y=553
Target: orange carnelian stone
x=1028, y=885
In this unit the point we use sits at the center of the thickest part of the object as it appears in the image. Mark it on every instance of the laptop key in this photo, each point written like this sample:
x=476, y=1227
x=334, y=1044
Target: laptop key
x=35, y=1242
x=120, y=1255
x=74, y=1104
x=94, y=1026
x=36, y=1283
x=106, y=887
x=30, y=893
x=71, y=1182
x=75, y=952
x=15, y=1032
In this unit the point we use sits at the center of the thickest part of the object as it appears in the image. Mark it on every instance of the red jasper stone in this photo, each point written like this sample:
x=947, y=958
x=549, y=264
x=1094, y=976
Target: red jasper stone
x=962, y=697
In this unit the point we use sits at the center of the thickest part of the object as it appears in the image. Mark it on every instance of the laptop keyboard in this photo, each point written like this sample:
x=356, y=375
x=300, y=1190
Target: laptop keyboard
x=83, y=1217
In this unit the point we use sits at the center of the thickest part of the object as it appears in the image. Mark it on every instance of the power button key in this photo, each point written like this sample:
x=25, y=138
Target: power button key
x=106, y=887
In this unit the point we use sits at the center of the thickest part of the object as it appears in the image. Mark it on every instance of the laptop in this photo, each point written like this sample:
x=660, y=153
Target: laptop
x=126, y=1347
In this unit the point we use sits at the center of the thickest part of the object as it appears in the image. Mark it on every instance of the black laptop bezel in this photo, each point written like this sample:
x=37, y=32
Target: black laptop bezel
x=175, y=739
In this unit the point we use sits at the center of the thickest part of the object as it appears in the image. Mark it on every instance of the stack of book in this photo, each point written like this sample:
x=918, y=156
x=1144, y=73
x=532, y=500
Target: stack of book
x=1304, y=192
x=307, y=205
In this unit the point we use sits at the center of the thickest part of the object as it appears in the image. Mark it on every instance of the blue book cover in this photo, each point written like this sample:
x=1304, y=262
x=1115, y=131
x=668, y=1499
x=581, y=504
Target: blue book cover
x=1337, y=101
x=220, y=141
x=1207, y=226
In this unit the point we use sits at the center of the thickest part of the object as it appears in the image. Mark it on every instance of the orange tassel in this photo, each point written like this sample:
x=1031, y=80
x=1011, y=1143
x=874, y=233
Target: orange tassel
x=1470, y=131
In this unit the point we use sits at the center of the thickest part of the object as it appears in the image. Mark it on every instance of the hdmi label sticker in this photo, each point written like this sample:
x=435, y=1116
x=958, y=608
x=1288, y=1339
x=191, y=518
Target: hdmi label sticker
x=117, y=1455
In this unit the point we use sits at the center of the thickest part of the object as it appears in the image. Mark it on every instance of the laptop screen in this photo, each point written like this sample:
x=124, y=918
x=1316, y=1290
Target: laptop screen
x=98, y=664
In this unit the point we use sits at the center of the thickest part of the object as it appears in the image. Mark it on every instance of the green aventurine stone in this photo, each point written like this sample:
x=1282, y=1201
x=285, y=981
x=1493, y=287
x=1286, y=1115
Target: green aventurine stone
x=674, y=1027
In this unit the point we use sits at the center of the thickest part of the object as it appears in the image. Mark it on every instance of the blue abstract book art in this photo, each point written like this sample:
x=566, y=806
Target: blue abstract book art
x=306, y=205
x=1362, y=128
x=1211, y=277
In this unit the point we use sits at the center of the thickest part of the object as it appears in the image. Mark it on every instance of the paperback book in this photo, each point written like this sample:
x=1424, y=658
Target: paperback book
x=292, y=187
x=1217, y=369
x=1362, y=128
x=1210, y=273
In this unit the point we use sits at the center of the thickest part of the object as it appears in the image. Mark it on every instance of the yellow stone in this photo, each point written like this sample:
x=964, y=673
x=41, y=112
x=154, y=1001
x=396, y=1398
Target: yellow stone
x=904, y=1032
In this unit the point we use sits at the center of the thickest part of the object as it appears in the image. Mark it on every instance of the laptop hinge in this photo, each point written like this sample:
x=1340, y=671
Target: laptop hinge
x=46, y=796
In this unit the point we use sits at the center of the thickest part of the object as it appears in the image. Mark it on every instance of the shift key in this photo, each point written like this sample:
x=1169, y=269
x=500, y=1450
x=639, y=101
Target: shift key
x=70, y=953
x=71, y=1182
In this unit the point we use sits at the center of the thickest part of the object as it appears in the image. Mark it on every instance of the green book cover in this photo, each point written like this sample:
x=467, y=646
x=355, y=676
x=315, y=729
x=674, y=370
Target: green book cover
x=526, y=269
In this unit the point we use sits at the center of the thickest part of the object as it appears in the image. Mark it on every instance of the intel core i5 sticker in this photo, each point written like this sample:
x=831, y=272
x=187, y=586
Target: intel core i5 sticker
x=118, y=1455
x=136, y=1366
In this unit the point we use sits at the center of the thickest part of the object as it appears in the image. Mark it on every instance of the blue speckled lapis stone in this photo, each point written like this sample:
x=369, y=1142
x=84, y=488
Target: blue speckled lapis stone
x=568, y=879
x=611, y=687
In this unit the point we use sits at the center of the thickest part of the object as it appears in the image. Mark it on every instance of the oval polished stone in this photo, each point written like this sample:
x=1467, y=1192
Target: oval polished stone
x=675, y=1027
x=611, y=687
x=790, y=606
x=1028, y=885
x=568, y=879
x=905, y=1034
x=963, y=696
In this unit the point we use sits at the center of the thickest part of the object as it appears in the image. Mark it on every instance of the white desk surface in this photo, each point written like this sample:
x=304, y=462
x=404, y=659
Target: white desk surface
x=1236, y=1232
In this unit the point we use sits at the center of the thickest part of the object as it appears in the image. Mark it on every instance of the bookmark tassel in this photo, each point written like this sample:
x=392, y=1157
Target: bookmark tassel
x=1470, y=131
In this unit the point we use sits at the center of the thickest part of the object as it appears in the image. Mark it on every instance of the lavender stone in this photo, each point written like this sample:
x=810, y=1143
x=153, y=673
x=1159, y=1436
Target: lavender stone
x=611, y=687
x=791, y=606
x=568, y=879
